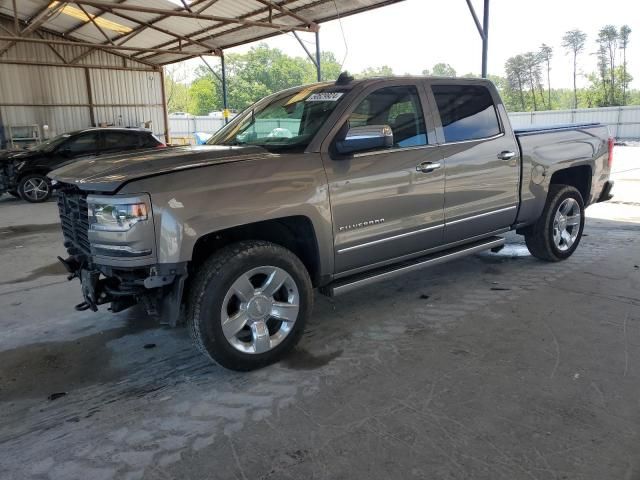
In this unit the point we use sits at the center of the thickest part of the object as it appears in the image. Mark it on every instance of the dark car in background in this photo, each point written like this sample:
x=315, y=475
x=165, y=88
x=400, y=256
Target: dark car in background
x=24, y=173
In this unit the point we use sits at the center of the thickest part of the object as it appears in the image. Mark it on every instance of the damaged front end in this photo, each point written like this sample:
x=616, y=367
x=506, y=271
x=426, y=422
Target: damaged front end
x=7, y=176
x=111, y=245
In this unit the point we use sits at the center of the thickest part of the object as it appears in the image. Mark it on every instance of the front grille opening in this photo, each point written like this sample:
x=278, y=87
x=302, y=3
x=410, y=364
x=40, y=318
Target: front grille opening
x=74, y=220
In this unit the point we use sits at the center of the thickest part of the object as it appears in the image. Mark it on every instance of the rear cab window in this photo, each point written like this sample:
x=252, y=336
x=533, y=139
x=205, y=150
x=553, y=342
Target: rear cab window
x=467, y=112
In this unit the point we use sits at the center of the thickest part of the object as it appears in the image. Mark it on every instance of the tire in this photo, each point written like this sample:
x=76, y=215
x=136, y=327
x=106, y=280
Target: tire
x=34, y=188
x=219, y=293
x=546, y=239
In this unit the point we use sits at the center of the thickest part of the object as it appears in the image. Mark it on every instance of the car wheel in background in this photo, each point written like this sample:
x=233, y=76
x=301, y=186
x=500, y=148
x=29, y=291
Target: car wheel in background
x=34, y=188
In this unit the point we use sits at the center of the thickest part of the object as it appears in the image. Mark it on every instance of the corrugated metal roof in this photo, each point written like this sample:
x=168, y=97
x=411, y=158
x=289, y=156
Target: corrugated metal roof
x=164, y=31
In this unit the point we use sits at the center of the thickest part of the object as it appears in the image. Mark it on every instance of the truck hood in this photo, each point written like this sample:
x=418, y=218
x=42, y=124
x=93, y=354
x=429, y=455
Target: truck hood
x=109, y=173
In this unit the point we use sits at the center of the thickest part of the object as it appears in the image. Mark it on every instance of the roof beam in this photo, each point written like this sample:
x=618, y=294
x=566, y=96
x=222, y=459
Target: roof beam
x=95, y=24
x=75, y=43
x=163, y=30
x=16, y=20
x=196, y=16
x=284, y=10
x=52, y=48
x=79, y=26
x=246, y=15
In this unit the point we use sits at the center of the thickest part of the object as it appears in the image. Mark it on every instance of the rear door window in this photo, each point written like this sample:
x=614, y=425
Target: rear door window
x=467, y=112
x=116, y=141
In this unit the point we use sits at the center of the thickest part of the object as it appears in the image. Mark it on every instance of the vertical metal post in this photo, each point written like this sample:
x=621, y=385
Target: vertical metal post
x=165, y=107
x=485, y=38
x=318, y=65
x=87, y=79
x=225, y=111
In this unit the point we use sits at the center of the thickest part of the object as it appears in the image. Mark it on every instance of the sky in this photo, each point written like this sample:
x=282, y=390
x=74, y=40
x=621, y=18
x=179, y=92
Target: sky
x=416, y=34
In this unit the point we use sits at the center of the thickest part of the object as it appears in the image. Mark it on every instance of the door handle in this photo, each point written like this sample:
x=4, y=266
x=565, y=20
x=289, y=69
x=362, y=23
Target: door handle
x=427, y=167
x=506, y=155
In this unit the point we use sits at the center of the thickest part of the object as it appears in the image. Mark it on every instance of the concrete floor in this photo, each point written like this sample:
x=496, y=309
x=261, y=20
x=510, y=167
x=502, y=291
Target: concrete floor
x=493, y=367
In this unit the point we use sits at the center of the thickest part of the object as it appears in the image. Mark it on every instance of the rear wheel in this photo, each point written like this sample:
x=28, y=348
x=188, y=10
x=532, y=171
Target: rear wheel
x=34, y=188
x=557, y=233
x=249, y=304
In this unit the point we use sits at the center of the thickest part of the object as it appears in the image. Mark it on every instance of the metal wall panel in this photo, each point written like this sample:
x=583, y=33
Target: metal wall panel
x=58, y=96
x=42, y=85
x=132, y=117
x=117, y=87
x=623, y=122
x=59, y=119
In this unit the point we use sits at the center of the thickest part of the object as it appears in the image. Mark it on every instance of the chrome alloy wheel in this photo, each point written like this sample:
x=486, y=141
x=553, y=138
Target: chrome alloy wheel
x=566, y=224
x=260, y=309
x=35, y=189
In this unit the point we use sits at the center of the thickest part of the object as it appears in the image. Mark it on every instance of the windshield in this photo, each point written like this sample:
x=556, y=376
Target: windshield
x=51, y=144
x=288, y=120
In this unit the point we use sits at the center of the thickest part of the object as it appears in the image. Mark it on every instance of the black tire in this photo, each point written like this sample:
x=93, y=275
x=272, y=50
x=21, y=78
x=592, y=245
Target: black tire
x=39, y=195
x=539, y=237
x=212, y=282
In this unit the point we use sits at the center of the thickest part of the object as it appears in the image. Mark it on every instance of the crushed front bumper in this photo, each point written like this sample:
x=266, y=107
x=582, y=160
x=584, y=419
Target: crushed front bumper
x=157, y=288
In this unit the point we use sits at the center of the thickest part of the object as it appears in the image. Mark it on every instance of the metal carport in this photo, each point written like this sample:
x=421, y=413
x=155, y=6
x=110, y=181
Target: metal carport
x=116, y=49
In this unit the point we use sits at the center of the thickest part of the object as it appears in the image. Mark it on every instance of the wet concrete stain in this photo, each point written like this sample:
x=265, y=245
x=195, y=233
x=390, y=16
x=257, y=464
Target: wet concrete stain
x=21, y=230
x=41, y=369
x=55, y=268
x=301, y=359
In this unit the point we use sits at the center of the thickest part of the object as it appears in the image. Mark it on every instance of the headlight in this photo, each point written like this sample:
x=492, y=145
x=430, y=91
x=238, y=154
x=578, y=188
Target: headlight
x=116, y=217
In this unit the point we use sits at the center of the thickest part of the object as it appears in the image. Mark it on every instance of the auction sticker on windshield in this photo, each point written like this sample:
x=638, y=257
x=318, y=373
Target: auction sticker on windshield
x=324, y=97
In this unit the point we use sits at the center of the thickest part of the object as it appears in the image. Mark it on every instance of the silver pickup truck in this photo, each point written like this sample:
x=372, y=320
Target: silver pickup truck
x=332, y=186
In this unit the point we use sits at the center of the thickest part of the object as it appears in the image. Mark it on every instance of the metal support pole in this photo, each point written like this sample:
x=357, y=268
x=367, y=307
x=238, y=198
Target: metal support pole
x=225, y=112
x=485, y=38
x=318, y=64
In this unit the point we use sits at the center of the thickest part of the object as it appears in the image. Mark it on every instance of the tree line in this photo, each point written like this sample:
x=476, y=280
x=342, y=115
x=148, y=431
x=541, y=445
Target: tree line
x=526, y=86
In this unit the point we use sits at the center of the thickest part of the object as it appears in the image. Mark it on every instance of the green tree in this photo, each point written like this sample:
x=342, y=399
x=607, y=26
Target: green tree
x=625, y=31
x=546, y=54
x=516, y=70
x=443, y=70
x=608, y=42
x=574, y=41
x=204, y=94
x=176, y=89
x=383, y=71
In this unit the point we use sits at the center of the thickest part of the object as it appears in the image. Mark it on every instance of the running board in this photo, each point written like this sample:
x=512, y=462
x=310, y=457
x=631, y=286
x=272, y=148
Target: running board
x=342, y=286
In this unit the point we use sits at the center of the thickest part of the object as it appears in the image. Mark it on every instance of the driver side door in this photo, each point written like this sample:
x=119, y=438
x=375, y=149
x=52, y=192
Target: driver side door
x=385, y=204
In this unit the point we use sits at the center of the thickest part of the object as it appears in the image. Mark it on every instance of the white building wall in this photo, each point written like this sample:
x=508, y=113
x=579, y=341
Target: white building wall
x=623, y=122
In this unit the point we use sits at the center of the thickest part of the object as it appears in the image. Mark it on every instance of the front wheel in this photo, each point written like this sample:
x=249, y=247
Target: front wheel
x=557, y=233
x=34, y=188
x=249, y=304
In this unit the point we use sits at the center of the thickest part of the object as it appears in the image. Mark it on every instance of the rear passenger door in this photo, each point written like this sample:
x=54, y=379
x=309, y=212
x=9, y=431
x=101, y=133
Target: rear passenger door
x=482, y=169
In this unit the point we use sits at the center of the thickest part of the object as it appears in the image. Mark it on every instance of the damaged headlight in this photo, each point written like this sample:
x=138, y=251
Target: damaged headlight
x=114, y=217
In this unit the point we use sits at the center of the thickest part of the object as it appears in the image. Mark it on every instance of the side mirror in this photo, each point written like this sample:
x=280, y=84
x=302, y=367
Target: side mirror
x=366, y=137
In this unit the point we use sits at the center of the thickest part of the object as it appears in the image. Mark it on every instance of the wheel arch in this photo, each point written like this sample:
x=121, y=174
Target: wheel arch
x=579, y=176
x=295, y=233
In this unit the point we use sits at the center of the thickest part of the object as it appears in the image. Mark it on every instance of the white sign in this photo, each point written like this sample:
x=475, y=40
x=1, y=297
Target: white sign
x=324, y=97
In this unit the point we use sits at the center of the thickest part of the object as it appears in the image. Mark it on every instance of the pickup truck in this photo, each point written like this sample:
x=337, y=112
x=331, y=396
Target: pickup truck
x=333, y=186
